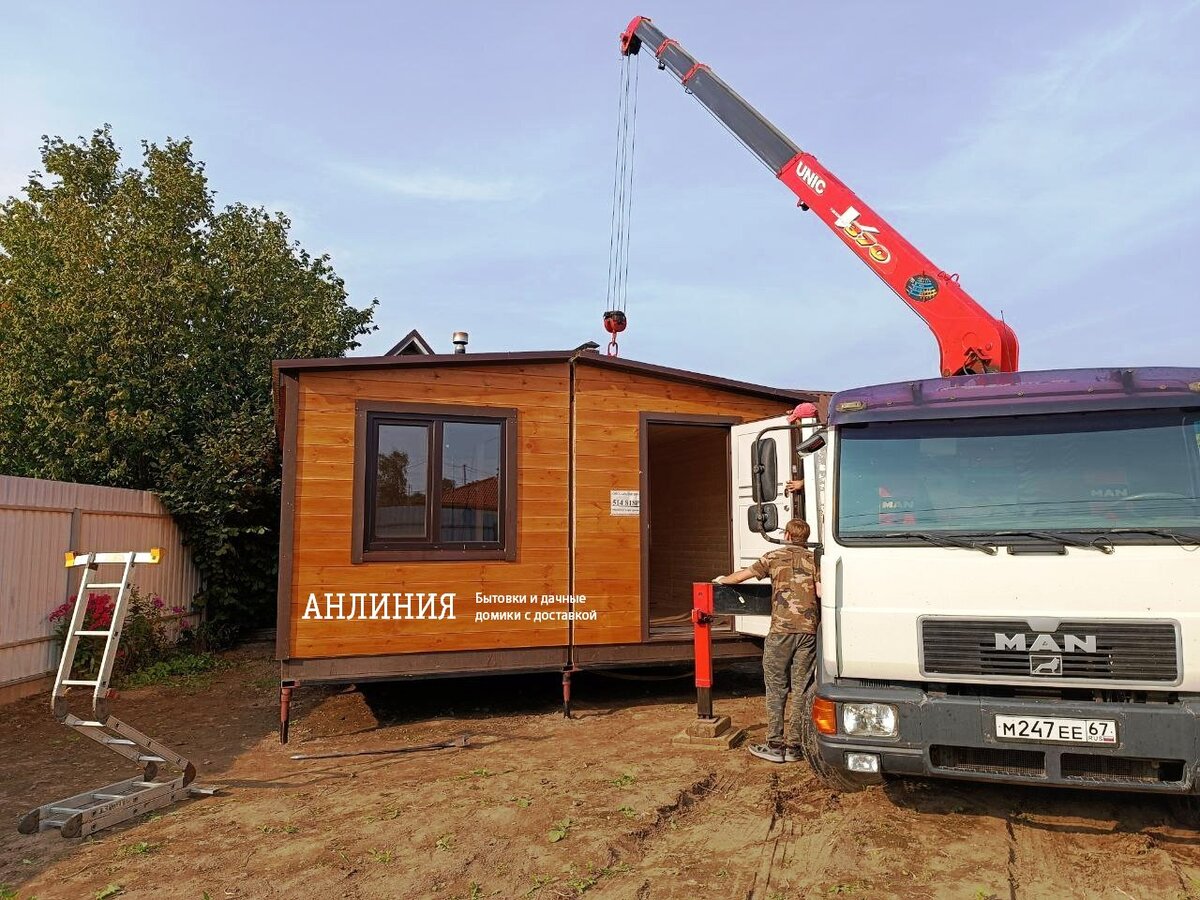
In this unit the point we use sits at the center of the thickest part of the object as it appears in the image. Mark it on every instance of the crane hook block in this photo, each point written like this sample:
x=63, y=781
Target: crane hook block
x=614, y=321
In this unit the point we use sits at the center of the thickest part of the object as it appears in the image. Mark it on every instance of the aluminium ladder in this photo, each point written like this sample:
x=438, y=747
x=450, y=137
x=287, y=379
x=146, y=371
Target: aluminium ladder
x=82, y=814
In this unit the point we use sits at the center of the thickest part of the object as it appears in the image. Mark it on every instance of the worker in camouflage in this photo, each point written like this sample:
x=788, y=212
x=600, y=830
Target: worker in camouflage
x=791, y=644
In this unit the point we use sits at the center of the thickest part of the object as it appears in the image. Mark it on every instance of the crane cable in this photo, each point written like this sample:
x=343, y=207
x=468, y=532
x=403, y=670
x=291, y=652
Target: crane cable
x=617, y=296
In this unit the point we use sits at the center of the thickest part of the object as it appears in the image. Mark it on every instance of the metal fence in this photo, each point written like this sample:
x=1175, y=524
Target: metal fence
x=39, y=522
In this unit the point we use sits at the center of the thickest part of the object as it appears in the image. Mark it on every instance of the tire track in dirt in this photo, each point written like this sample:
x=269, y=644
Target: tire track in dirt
x=1090, y=847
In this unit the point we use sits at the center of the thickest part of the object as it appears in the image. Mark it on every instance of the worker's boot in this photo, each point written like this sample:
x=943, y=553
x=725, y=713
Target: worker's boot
x=770, y=752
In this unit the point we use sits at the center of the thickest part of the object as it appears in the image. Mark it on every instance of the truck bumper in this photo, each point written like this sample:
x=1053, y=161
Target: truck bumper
x=942, y=736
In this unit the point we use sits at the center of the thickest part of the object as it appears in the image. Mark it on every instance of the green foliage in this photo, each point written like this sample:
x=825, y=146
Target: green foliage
x=184, y=667
x=559, y=831
x=113, y=890
x=138, y=323
x=145, y=640
x=623, y=780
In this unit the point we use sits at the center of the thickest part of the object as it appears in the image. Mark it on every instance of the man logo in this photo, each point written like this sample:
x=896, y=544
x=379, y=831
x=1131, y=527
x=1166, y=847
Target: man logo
x=1071, y=643
x=1045, y=665
x=811, y=178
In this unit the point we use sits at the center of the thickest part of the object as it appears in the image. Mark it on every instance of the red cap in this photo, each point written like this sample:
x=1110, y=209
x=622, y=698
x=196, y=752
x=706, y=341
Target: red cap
x=802, y=411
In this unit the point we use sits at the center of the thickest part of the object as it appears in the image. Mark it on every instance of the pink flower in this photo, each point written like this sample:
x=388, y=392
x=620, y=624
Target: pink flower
x=157, y=603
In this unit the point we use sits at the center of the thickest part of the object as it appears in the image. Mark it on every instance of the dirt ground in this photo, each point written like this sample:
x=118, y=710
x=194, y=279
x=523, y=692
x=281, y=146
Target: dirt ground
x=542, y=807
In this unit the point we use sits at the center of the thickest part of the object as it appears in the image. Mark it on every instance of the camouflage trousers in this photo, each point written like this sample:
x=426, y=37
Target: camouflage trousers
x=787, y=663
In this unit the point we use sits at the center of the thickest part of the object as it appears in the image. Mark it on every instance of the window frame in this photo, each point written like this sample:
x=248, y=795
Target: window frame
x=369, y=414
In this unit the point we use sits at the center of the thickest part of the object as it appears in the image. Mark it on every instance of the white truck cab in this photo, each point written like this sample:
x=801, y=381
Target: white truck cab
x=1011, y=577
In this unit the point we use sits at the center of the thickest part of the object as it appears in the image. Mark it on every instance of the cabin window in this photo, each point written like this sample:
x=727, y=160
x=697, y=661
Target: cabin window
x=435, y=483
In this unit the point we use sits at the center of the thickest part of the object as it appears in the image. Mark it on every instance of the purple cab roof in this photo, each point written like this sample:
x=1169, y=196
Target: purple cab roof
x=1018, y=393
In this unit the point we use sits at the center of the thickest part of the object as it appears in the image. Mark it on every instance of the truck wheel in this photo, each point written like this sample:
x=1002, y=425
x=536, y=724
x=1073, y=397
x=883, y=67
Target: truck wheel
x=1185, y=810
x=833, y=778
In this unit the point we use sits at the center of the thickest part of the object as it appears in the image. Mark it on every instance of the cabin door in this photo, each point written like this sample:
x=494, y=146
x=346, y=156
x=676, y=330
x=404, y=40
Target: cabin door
x=685, y=516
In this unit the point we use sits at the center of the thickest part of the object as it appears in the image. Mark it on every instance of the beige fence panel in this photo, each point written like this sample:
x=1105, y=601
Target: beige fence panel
x=39, y=522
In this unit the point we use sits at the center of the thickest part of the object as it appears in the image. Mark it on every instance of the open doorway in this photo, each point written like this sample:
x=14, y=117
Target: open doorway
x=686, y=533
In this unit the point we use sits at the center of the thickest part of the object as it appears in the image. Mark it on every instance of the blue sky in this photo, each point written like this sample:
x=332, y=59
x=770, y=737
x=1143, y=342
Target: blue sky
x=455, y=160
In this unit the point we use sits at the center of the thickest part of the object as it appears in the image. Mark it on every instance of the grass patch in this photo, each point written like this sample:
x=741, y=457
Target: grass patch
x=278, y=829
x=559, y=831
x=539, y=882
x=187, y=668
x=382, y=856
x=139, y=849
x=445, y=843
x=628, y=812
x=7, y=892
x=113, y=890
x=624, y=780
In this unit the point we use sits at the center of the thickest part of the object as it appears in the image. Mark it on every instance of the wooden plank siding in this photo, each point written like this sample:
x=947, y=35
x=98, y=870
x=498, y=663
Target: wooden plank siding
x=608, y=549
x=605, y=563
x=324, y=508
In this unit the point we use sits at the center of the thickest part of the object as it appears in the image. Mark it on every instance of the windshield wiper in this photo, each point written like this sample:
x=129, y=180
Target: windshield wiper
x=1096, y=543
x=942, y=540
x=1183, y=540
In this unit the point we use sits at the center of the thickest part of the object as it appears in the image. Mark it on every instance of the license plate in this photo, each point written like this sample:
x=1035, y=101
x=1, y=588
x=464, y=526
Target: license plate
x=1056, y=730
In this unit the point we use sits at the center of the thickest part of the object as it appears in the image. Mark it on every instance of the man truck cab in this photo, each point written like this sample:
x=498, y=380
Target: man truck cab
x=1011, y=577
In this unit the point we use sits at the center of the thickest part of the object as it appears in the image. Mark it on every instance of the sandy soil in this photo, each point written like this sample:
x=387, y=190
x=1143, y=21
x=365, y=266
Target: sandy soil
x=634, y=815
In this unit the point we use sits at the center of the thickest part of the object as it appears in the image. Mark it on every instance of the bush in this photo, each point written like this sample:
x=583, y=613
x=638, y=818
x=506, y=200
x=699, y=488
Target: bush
x=145, y=639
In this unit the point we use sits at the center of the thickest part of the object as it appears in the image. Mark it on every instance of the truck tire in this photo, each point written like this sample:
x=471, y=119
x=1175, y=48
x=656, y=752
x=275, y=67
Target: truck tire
x=1185, y=810
x=830, y=776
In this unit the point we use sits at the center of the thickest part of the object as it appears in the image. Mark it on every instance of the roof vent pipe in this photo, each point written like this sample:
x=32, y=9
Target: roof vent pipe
x=459, y=339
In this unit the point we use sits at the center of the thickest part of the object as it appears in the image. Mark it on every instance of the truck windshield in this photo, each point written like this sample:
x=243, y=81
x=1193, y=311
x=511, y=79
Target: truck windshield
x=1087, y=473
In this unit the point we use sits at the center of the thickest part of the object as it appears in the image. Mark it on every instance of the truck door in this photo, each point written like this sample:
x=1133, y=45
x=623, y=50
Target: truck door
x=748, y=544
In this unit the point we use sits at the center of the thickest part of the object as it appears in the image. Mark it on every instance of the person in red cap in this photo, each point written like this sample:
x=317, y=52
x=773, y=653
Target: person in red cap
x=802, y=411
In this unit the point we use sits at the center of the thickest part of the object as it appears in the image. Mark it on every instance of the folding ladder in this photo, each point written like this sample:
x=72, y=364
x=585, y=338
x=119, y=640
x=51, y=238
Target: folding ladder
x=90, y=811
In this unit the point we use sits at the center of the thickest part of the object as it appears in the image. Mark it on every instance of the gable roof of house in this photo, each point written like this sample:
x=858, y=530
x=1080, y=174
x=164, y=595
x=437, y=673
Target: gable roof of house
x=412, y=344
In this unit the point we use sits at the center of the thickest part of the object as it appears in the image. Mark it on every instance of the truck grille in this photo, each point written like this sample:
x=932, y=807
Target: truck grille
x=1124, y=651
x=1120, y=769
x=988, y=760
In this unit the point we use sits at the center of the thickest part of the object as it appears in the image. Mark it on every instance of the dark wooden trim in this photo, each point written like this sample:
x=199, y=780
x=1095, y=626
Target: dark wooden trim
x=571, y=529
x=289, y=386
x=726, y=646
x=785, y=395
x=507, y=494
x=433, y=664
x=462, y=663
x=646, y=419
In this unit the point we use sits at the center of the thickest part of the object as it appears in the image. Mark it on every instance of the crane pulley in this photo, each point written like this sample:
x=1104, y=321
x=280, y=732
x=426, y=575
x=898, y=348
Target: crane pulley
x=970, y=340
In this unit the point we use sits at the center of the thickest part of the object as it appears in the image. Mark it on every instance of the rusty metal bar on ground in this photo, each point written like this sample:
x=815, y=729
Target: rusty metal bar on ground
x=461, y=741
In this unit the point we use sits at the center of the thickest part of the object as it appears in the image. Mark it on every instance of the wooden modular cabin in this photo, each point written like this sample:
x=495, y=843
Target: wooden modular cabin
x=456, y=514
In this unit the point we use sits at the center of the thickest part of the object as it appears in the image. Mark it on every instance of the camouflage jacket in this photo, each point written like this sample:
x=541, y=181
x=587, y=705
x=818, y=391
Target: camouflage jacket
x=794, y=607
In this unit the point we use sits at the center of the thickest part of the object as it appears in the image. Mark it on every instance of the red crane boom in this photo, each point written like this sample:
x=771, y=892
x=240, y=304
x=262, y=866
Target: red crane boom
x=970, y=339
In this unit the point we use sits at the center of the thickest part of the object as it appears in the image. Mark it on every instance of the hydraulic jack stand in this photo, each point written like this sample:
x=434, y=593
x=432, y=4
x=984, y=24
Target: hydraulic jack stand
x=710, y=600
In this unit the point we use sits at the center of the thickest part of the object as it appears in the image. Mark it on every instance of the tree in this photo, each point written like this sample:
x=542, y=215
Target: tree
x=138, y=323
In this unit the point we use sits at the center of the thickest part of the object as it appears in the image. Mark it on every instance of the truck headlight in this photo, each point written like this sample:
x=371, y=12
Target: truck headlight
x=869, y=719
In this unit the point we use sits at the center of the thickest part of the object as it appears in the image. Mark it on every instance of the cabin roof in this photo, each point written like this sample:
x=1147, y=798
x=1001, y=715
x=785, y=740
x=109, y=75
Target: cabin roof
x=589, y=357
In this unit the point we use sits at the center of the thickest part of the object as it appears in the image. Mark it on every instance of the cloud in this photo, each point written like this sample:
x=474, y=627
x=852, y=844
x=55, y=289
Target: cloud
x=429, y=185
x=1078, y=161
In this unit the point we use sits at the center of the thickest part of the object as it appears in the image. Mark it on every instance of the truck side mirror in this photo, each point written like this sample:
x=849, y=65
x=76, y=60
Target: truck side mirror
x=762, y=518
x=812, y=443
x=765, y=471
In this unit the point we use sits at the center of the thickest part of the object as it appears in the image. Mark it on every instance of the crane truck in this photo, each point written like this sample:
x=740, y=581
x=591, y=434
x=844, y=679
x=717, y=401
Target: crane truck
x=1011, y=588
